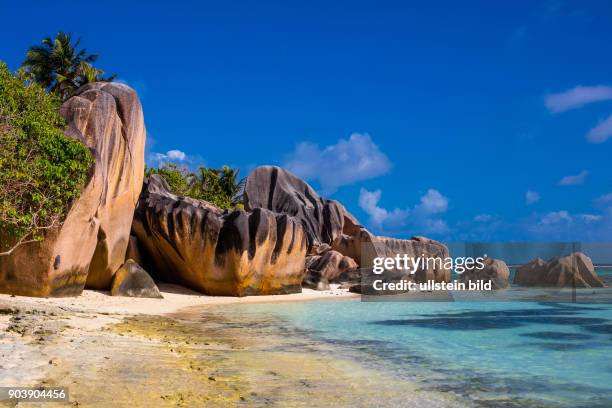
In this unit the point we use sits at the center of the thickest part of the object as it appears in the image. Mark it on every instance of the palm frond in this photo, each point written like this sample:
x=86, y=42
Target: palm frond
x=60, y=66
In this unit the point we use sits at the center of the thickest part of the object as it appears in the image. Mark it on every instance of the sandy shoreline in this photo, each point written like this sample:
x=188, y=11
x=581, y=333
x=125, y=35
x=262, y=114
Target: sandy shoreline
x=180, y=351
x=175, y=298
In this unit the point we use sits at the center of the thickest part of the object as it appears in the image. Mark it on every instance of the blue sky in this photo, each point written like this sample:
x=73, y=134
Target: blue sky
x=455, y=120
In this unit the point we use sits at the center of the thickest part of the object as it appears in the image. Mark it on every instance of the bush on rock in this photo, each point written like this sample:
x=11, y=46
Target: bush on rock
x=41, y=170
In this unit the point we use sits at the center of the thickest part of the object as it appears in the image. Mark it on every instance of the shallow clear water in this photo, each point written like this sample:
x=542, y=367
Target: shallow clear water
x=496, y=354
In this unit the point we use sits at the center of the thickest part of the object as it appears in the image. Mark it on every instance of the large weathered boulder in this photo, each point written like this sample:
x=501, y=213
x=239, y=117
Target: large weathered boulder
x=326, y=268
x=237, y=253
x=573, y=270
x=133, y=281
x=530, y=273
x=327, y=222
x=91, y=243
x=282, y=192
x=495, y=271
x=364, y=247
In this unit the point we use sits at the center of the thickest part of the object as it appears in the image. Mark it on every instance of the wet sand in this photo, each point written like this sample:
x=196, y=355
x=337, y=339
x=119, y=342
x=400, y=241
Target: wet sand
x=182, y=351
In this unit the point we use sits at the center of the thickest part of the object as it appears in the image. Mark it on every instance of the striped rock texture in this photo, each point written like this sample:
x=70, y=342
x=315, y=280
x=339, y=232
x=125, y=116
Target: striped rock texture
x=329, y=225
x=280, y=191
x=239, y=253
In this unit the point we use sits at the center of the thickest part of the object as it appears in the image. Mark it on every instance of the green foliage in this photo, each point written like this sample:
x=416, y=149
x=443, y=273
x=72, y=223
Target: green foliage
x=60, y=67
x=41, y=170
x=217, y=186
x=177, y=178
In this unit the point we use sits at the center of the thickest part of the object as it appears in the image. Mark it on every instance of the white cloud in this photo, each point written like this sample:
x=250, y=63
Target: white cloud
x=565, y=226
x=589, y=218
x=558, y=226
x=422, y=219
x=176, y=155
x=604, y=201
x=433, y=202
x=483, y=218
x=577, y=97
x=155, y=159
x=435, y=226
x=368, y=201
x=574, y=180
x=555, y=217
x=482, y=227
x=340, y=164
x=532, y=197
x=601, y=132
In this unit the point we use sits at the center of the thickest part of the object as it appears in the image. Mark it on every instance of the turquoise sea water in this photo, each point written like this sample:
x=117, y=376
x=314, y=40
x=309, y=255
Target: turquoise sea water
x=488, y=354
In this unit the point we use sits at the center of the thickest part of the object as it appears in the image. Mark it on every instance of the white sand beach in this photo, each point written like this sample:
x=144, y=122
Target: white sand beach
x=175, y=298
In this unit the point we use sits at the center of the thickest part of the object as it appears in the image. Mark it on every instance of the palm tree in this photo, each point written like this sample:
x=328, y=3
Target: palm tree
x=218, y=186
x=228, y=179
x=60, y=67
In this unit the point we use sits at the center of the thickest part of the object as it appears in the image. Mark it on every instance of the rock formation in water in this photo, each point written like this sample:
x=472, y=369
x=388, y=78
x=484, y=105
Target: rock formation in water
x=573, y=270
x=495, y=271
x=90, y=245
x=133, y=281
x=237, y=253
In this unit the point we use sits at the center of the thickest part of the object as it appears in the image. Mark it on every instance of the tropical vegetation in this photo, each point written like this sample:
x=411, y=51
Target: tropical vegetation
x=59, y=66
x=221, y=187
x=41, y=170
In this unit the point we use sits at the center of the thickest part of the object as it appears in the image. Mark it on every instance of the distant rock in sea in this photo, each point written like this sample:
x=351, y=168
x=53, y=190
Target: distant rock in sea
x=495, y=271
x=573, y=270
x=90, y=245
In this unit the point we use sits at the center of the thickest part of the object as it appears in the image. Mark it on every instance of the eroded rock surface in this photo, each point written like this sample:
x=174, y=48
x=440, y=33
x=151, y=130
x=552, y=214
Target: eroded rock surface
x=495, y=271
x=280, y=191
x=133, y=281
x=91, y=244
x=133, y=251
x=321, y=270
x=234, y=253
x=328, y=223
x=573, y=270
x=364, y=247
